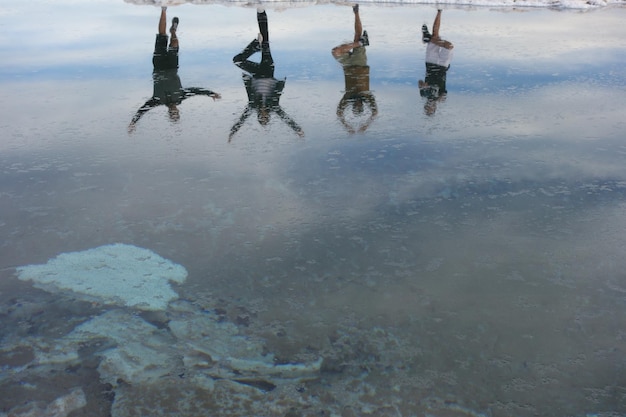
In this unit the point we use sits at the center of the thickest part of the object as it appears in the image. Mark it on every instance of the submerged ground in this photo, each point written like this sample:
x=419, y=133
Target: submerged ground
x=461, y=263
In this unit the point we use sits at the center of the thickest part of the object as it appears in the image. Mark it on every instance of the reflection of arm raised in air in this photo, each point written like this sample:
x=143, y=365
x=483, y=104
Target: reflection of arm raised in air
x=370, y=100
x=194, y=91
x=244, y=116
x=289, y=121
x=341, y=108
x=150, y=104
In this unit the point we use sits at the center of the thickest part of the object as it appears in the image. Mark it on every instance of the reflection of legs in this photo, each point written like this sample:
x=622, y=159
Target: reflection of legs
x=266, y=66
x=356, y=42
x=358, y=27
x=160, y=57
x=163, y=21
x=163, y=28
x=174, y=38
x=436, y=39
x=263, y=69
x=241, y=59
x=261, y=18
x=436, y=24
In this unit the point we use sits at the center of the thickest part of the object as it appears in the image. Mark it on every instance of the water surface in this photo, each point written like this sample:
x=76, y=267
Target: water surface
x=465, y=262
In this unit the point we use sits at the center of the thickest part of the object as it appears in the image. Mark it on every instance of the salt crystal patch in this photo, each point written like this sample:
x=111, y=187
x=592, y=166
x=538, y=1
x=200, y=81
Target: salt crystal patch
x=112, y=274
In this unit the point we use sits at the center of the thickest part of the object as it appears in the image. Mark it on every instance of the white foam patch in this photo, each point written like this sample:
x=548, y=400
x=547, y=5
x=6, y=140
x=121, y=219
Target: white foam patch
x=112, y=274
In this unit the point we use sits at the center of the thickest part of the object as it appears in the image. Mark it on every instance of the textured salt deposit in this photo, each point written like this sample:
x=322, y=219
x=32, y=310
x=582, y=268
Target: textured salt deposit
x=112, y=274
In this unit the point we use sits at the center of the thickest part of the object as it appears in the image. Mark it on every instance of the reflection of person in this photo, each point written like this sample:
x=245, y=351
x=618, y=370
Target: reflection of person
x=168, y=90
x=357, y=96
x=263, y=89
x=438, y=57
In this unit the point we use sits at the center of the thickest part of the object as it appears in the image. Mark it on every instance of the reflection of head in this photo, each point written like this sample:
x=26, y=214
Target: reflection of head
x=173, y=112
x=263, y=116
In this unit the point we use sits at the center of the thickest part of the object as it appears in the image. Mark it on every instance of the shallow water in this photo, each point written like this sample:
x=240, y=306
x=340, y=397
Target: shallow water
x=466, y=262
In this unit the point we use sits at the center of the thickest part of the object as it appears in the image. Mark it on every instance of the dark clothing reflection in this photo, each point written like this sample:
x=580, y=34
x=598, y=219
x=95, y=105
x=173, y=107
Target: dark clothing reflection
x=357, y=96
x=167, y=88
x=436, y=79
x=263, y=89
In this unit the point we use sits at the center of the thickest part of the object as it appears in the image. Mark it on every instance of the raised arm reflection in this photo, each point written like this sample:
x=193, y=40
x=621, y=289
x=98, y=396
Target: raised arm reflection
x=357, y=96
x=263, y=89
x=168, y=90
x=438, y=57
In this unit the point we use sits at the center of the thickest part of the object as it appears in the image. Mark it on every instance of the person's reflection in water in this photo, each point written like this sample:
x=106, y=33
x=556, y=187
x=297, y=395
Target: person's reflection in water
x=263, y=89
x=168, y=90
x=438, y=57
x=357, y=96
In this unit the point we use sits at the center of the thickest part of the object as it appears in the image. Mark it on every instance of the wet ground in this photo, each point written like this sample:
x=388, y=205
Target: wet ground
x=466, y=262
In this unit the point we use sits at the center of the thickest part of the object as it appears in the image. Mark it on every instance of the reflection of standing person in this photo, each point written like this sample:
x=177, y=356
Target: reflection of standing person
x=357, y=96
x=263, y=89
x=438, y=57
x=168, y=90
